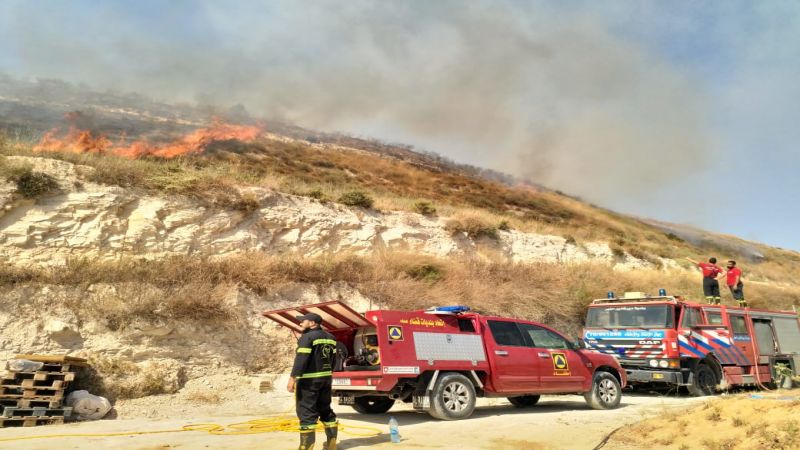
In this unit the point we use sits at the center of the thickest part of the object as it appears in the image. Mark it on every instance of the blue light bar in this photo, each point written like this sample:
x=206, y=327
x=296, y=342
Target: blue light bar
x=450, y=309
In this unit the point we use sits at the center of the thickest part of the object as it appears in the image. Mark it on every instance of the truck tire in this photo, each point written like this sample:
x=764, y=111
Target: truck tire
x=453, y=397
x=524, y=401
x=605, y=392
x=372, y=405
x=704, y=381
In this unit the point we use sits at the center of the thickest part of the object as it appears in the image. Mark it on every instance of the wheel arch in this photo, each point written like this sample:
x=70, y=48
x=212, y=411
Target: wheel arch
x=611, y=370
x=476, y=377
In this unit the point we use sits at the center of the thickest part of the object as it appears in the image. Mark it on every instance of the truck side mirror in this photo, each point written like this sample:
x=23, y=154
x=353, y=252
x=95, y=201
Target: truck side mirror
x=685, y=332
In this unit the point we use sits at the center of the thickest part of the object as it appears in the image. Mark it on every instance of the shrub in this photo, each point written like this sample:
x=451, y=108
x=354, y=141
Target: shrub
x=30, y=184
x=472, y=226
x=356, y=198
x=425, y=208
x=247, y=203
x=316, y=194
x=674, y=237
x=570, y=239
x=504, y=226
x=425, y=272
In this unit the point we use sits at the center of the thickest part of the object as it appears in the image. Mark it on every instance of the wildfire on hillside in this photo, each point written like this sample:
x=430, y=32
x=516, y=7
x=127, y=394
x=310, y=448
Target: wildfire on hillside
x=85, y=141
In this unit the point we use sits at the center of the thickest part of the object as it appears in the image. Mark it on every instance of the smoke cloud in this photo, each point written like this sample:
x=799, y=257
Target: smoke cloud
x=534, y=90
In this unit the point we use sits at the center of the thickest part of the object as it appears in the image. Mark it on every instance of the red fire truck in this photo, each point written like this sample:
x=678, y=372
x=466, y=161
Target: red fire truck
x=667, y=340
x=442, y=359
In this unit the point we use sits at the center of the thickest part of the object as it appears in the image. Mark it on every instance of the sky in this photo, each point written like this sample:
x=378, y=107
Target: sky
x=683, y=111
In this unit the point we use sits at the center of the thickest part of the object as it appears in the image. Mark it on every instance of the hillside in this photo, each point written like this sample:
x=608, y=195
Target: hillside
x=153, y=254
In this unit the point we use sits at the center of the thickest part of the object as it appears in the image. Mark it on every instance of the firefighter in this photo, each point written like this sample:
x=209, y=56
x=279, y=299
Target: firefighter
x=311, y=381
x=711, y=273
x=734, y=282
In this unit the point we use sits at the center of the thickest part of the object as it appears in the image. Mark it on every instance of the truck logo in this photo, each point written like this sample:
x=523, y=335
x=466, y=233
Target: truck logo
x=395, y=333
x=649, y=342
x=560, y=364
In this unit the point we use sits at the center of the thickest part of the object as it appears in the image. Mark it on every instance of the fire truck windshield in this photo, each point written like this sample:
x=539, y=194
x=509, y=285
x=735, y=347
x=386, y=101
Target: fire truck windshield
x=649, y=316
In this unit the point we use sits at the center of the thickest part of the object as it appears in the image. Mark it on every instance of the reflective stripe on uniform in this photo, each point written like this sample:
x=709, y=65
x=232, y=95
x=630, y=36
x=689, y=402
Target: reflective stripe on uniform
x=303, y=350
x=316, y=374
x=323, y=341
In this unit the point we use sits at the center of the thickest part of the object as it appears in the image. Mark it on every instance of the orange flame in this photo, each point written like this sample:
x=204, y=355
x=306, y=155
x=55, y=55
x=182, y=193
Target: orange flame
x=83, y=141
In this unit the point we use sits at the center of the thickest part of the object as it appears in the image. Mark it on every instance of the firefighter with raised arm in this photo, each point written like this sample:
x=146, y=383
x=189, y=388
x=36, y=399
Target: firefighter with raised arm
x=311, y=381
x=711, y=272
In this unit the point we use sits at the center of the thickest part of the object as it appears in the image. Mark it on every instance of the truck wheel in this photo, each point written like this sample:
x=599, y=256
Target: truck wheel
x=453, y=397
x=605, y=393
x=372, y=405
x=704, y=381
x=524, y=401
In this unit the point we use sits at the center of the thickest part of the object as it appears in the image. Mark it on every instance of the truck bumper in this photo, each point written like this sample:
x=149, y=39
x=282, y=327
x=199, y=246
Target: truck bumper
x=654, y=376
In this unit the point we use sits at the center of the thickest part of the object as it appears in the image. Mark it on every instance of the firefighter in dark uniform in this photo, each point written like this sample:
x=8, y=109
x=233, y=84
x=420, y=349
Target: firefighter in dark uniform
x=711, y=273
x=311, y=380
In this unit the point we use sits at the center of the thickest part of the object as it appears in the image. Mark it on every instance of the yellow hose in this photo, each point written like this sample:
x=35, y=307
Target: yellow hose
x=256, y=426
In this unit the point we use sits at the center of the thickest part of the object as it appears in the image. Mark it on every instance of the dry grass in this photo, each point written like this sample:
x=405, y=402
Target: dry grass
x=736, y=422
x=196, y=289
x=120, y=378
x=475, y=206
x=207, y=397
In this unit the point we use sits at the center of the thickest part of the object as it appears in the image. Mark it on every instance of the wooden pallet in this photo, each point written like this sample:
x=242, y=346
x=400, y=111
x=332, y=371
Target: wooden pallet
x=33, y=384
x=40, y=402
x=18, y=391
x=37, y=376
x=36, y=412
x=6, y=422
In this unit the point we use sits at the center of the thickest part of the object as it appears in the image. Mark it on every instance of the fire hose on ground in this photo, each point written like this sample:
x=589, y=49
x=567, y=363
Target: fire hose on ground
x=283, y=423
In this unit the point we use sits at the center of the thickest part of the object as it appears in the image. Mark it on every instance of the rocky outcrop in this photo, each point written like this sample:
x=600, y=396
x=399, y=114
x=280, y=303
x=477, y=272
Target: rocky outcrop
x=90, y=220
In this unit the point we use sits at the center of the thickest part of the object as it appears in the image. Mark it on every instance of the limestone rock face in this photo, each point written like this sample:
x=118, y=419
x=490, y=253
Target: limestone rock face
x=91, y=220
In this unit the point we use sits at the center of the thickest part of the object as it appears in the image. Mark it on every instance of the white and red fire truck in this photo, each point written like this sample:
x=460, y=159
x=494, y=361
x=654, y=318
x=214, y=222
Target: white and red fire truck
x=667, y=340
x=442, y=359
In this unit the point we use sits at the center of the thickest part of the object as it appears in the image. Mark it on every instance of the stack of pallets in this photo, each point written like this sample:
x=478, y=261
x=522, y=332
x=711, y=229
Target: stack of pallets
x=35, y=398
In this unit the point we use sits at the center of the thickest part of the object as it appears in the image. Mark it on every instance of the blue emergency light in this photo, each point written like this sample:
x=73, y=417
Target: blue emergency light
x=662, y=292
x=449, y=309
x=610, y=294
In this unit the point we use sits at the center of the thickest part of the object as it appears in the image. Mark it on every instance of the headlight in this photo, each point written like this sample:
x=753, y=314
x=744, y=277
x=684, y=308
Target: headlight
x=663, y=363
x=653, y=363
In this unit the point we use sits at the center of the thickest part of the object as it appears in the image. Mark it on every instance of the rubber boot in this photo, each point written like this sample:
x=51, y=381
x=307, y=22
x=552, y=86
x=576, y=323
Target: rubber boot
x=743, y=303
x=307, y=439
x=331, y=432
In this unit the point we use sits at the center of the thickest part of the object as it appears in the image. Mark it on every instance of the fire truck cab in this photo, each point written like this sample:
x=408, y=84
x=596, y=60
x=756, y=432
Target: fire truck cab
x=442, y=359
x=669, y=341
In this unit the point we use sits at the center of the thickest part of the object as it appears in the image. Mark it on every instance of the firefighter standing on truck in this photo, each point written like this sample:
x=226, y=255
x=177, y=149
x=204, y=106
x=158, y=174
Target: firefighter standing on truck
x=711, y=273
x=734, y=282
x=311, y=381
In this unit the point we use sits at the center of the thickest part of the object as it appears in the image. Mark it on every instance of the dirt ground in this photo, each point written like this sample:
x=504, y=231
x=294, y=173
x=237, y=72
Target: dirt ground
x=557, y=422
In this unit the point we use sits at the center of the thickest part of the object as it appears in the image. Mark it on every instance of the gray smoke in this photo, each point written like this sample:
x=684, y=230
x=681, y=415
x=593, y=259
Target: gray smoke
x=534, y=90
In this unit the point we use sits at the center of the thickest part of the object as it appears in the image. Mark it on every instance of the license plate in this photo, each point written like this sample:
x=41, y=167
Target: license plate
x=341, y=382
x=658, y=376
x=347, y=399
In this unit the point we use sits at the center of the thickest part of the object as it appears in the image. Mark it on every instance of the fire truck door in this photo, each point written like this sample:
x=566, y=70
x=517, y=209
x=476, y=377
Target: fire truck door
x=562, y=368
x=764, y=336
x=515, y=364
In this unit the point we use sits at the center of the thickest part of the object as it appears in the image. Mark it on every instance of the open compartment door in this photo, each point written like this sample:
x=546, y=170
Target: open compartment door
x=335, y=316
